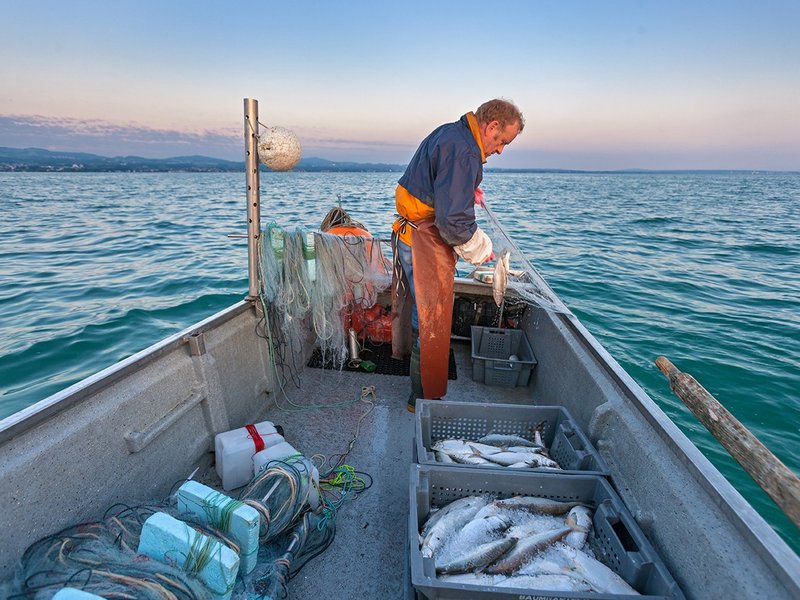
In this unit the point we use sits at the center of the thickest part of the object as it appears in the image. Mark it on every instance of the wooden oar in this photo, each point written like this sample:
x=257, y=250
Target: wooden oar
x=774, y=477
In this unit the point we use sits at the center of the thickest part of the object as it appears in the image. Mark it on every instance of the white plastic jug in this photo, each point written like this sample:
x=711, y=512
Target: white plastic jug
x=235, y=450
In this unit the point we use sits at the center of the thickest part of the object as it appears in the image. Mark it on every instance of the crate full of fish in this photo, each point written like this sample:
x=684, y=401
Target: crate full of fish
x=476, y=534
x=503, y=436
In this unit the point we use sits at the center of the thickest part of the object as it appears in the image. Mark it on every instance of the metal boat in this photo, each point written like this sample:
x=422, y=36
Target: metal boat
x=134, y=429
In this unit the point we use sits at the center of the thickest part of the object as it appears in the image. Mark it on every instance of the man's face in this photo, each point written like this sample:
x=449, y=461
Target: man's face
x=496, y=138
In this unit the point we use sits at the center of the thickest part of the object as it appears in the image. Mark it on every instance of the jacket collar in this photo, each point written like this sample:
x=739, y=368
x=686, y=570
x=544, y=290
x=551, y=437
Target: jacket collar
x=476, y=133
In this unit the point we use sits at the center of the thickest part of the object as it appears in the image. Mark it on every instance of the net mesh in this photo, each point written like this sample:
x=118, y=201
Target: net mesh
x=529, y=285
x=322, y=277
x=101, y=557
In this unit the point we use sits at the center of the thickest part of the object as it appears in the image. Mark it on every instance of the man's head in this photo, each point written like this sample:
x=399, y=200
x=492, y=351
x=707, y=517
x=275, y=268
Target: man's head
x=499, y=122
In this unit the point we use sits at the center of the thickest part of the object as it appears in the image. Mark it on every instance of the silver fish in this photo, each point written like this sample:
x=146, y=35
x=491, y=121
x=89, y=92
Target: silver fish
x=505, y=439
x=434, y=517
x=481, y=529
x=442, y=457
x=553, y=582
x=489, y=509
x=510, y=458
x=460, y=451
x=541, y=462
x=476, y=558
x=536, y=504
x=537, y=437
x=525, y=549
x=450, y=445
x=452, y=521
x=473, y=578
x=528, y=449
x=473, y=458
x=601, y=577
x=500, y=278
x=580, y=519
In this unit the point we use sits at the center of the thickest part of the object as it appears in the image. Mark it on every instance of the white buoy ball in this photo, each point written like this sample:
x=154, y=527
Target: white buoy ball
x=279, y=149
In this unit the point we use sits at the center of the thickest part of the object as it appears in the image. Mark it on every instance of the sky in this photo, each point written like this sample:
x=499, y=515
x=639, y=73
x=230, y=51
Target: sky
x=602, y=84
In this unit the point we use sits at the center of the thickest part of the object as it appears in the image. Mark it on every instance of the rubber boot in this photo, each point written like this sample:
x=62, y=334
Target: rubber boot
x=416, y=379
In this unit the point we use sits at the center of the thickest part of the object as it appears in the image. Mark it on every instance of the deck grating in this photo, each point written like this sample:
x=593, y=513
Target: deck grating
x=381, y=355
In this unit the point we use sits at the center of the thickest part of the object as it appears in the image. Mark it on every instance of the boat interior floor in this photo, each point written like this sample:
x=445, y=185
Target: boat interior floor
x=368, y=557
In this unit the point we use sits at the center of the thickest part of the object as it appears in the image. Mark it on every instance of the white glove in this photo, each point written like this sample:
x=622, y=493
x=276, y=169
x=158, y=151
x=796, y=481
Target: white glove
x=477, y=250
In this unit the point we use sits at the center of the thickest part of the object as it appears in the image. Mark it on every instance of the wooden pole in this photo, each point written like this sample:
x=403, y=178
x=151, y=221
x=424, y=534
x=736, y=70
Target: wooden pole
x=774, y=477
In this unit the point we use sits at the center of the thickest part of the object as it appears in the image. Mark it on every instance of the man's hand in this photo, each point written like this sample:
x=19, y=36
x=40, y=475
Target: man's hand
x=479, y=197
x=477, y=250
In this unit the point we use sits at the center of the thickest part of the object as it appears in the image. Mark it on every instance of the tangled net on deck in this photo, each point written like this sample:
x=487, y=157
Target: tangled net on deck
x=101, y=557
x=280, y=493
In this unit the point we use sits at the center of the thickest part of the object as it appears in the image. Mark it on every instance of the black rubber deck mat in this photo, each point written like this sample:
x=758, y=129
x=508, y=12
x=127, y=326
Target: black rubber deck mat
x=381, y=355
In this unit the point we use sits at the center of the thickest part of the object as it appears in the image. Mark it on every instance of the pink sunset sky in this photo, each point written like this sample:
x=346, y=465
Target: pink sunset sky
x=603, y=85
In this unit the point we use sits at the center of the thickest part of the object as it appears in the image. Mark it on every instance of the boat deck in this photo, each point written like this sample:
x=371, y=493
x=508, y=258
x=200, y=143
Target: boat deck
x=367, y=557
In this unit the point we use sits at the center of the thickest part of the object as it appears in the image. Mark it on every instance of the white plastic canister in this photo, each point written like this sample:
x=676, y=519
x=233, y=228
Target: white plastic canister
x=235, y=450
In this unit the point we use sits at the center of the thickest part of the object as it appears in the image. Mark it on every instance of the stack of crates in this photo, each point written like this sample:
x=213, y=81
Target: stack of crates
x=616, y=538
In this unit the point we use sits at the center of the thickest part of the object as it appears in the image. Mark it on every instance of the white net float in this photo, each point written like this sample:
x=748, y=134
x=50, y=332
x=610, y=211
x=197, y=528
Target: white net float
x=279, y=149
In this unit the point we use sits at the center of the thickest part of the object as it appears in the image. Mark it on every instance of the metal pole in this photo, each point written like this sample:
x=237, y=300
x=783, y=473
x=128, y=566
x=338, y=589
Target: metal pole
x=253, y=192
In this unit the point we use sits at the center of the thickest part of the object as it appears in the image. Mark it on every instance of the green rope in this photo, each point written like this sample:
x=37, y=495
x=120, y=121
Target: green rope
x=199, y=553
x=219, y=510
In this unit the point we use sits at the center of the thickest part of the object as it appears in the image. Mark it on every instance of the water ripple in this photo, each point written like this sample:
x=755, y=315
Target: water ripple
x=704, y=269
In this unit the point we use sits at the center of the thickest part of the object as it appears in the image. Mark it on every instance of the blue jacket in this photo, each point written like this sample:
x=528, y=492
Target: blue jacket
x=444, y=173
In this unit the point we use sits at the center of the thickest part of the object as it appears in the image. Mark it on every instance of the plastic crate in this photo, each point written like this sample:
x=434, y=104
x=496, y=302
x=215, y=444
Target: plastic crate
x=491, y=350
x=617, y=539
x=566, y=442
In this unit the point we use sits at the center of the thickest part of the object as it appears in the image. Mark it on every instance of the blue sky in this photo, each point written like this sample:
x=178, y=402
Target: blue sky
x=611, y=84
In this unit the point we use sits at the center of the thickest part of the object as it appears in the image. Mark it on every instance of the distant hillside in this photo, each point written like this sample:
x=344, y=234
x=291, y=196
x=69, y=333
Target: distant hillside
x=40, y=160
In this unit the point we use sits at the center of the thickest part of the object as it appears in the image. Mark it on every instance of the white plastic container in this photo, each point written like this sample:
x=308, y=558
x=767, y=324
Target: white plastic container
x=286, y=452
x=235, y=450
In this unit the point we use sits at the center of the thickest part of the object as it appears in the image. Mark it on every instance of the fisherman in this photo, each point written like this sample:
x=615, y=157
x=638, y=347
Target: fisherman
x=435, y=200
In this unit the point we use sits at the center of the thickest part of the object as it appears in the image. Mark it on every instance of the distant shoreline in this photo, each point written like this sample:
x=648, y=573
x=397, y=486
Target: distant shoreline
x=38, y=160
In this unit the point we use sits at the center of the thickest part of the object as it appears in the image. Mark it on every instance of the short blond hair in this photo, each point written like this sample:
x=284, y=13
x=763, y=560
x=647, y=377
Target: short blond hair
x=502, y=111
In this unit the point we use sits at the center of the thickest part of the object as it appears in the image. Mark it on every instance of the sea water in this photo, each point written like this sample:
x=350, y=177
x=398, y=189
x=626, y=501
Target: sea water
x=701, y=268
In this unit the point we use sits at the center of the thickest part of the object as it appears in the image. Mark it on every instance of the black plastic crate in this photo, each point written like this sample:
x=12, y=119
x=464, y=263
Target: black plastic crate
x=619, y=542
x=565, y=441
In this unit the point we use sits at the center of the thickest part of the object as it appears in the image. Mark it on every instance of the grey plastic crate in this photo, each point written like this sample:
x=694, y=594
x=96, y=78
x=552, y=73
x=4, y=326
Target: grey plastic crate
x=566, y=442
x=616, y=538
x=491, y=351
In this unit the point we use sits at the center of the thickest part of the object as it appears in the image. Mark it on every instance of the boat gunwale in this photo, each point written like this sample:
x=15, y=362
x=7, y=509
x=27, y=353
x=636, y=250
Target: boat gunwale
x=783, y=561
x=47, y=408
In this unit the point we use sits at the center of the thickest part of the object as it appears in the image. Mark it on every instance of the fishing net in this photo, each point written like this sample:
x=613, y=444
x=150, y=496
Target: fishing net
x=529, y=285
x=351, y=272
x=322, y=277
x=101, y=557
x=306, y=540
x=280, y=492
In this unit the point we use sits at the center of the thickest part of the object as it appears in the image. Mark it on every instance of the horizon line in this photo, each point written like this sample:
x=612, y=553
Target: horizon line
x=333, y=162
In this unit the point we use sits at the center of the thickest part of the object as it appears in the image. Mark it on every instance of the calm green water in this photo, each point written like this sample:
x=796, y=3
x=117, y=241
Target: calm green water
x=704, y=269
